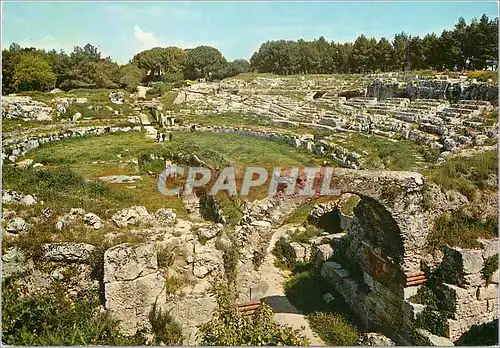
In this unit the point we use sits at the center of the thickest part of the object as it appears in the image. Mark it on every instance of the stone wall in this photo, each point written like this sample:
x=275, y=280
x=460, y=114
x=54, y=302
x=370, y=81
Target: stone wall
x=14, y=148
x=471, y=301
x=434, y=89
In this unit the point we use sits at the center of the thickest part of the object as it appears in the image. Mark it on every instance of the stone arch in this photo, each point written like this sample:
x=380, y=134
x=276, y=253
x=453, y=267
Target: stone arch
x=391, y=201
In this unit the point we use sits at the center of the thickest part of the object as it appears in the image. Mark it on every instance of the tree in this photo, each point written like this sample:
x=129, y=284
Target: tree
x=399, y=52
x=32, y=72
x=229, y=328
x=203, y=62
x=383, y=53
x=130, y=76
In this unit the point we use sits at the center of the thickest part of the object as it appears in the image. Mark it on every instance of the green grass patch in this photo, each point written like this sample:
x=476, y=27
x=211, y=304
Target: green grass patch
x=394, y=155
x=465, y=174
x=460, y=229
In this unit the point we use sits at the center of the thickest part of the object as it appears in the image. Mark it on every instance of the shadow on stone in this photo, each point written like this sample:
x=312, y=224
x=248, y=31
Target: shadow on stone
x=280, y=304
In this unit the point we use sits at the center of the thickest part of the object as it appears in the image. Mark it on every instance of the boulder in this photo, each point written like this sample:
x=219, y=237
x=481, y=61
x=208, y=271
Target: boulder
x=207, y=259
x=209, y=232
x=92, y=220
x=322, y=253
x=131, y=216
x=70, y=218
x=68, y=252
x=375, y=339
x=302, y=251
x=117, y=98
x=76, y=116
x=16, y=225
x=165, y=216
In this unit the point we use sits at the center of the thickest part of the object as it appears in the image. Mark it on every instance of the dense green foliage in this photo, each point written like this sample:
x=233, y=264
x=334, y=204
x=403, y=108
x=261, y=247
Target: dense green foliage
x=26, y=69
x=54, y=319
x=467, y=46
x=285, y=253
x=334, y=329
x=229, y=328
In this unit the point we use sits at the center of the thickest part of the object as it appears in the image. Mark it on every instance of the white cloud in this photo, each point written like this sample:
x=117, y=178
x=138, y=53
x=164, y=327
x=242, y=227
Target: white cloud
x=144, y=39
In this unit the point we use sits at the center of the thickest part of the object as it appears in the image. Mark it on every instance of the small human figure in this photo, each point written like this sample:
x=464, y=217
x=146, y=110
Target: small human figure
x=163, y=137
x=170, y=136
x=158, y=136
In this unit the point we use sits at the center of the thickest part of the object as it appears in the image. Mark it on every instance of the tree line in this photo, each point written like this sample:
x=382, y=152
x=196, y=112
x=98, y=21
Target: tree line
x=471, y=46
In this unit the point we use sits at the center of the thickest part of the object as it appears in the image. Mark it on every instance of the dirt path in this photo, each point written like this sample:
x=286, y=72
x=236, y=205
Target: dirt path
x=285, y=312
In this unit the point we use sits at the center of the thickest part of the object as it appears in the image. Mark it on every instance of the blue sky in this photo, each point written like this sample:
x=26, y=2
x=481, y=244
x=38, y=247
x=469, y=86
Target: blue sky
x=237, y=29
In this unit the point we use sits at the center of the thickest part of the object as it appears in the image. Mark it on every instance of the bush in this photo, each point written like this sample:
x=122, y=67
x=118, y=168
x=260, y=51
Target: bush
x=490, y=266
x=229, y=328
x=333, y=329
x=166, y=331
x=285, y=253
x=54, y=319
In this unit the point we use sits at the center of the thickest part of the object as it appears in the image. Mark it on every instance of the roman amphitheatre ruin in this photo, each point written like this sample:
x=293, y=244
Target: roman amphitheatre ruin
x=406, y=253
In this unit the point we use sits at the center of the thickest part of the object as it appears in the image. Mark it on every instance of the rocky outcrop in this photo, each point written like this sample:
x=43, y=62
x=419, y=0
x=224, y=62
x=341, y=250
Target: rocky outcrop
x=117, y=98
x=132, y=216
x=68, y=252
x=16, y=225
x=13, y=197
x=375, y=339
x=133, y=284
x=25, y=108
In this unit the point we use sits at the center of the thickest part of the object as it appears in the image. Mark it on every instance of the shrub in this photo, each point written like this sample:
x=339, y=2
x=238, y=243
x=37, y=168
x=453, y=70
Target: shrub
x=333, y=329
x=490, y=266
x=285, y=253
x=229, y=328
x=165, y=330
x=54, y=319
x=469, y=230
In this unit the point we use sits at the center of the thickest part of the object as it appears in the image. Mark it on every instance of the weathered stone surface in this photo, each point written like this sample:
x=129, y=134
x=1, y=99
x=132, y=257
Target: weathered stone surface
x=165, y=216
x=92, y=220
x=425, y=338
x=209, y=232
x=261, y=223
x=131, y=216
x=116, y=97
x=120, y=179
x=129, y=261
x=375, y=339
x=303, y=252
x=131, y=301
x=16, y=225
x=9, y=197
x=68, y=252
x=70, y=218
x=487, y=292
x=321, y=253
x=207, y=259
